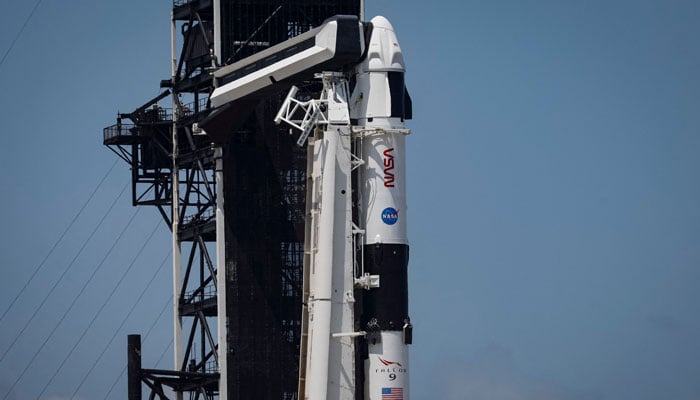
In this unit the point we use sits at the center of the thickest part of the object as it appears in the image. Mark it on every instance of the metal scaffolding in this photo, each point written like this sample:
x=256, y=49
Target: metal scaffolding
x=262, y=175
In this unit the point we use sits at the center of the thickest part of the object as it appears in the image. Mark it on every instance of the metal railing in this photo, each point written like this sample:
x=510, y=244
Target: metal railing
x=119, y=130
x=188, y=109
x=156, y=115
x=196, y=295
x=206, y=216
x=211, y=367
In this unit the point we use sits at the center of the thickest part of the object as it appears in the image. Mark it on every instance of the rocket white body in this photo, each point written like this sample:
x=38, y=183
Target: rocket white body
x=368, y=126
x=383, y=177
x=330, y=361
x=377, y=104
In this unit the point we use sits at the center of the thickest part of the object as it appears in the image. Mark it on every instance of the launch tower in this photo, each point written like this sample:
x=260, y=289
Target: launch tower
x=253, y=188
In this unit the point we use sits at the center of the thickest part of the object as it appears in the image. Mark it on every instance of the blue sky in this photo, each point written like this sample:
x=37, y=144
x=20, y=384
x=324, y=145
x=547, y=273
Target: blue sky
x=553, y=193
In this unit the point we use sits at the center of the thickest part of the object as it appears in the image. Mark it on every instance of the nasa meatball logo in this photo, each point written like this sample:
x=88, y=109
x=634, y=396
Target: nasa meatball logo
x=390, y=215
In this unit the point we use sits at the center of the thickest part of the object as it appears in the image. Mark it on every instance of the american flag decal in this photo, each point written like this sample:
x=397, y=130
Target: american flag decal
x=392, y=393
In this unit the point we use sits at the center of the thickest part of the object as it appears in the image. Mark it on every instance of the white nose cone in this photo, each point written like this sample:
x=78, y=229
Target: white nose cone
x=378, y=96
x=384, y=52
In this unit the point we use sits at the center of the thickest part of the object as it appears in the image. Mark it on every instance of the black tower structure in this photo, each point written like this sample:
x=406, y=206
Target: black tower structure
x=263, y=174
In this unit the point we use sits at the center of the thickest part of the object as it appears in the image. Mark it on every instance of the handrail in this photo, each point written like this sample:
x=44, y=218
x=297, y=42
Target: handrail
x=119, y=130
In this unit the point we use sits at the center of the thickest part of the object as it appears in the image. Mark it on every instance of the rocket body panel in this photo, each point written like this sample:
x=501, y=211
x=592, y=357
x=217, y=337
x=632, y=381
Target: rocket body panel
x=387, y=369
x=331, y=358
x=383, y=52
x=378, y=107
x=321, y=275
x=384, y=188
x=329, y=374
x=341, y=376
x=386, y=307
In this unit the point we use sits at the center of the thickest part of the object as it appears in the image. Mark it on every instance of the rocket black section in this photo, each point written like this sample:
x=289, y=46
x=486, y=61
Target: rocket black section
x=397, y=90
x=401, y=103
x=386, y=307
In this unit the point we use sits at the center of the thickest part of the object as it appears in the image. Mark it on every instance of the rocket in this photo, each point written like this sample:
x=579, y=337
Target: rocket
x=379, y=105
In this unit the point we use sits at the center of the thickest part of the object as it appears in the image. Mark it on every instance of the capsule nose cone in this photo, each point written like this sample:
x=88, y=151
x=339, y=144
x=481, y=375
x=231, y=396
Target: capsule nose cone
x=381, y=22
x=384, y=53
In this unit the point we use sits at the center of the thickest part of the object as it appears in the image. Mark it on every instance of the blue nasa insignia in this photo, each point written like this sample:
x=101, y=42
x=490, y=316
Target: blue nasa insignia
x=390, y=215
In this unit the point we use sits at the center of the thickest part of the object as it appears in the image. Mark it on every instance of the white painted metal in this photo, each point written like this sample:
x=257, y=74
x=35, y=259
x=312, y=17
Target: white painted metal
x=383, y=205
x=286, y=111
x=217, y=31
x=341, y=384
x=349, y=334
x=384, y=186
x=383, y=194
x=323, y=50
x=261, y=79
x=309, y=238
x=309, y=111
x=367, y=281
x=222, y=318
x=381, y=139
x=321, y=268
x=387, y=365
x=177, y=252
x=305, y=115
x=330, y=355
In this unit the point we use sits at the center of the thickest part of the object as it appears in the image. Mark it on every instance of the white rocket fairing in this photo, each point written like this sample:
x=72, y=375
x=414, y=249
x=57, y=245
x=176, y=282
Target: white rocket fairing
x=378, y=104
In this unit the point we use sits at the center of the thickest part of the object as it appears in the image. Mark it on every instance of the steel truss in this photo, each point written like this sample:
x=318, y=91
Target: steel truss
x=169, y=160
x=174, y=168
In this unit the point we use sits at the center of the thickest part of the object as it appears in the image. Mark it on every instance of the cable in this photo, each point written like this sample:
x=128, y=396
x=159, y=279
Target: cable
x=70, y=265
x=73, y=303
x=21, y=30
x=164, y=352
x=252, y=35
x=114, y=384
x=116, y=332
x=145, y=338
x=75, y=218
x=104, y=304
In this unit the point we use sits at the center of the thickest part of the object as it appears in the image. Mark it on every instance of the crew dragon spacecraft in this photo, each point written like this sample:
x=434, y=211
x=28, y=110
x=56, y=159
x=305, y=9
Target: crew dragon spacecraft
x=355, y=327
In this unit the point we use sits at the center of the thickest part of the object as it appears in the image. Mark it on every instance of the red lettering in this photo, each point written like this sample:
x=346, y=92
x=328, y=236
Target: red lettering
x=388, y=167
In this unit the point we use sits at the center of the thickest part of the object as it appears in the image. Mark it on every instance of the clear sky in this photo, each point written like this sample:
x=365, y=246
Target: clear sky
x=554, y=194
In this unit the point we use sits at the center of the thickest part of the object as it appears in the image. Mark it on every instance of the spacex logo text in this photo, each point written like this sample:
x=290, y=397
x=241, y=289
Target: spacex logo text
x=388, y=168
